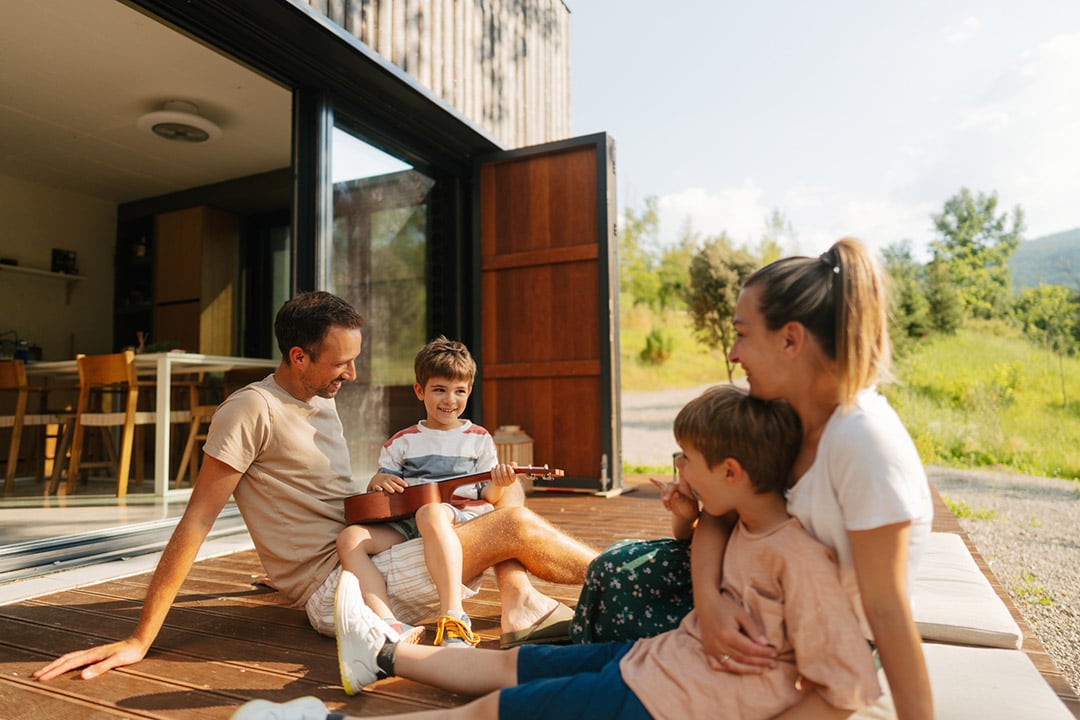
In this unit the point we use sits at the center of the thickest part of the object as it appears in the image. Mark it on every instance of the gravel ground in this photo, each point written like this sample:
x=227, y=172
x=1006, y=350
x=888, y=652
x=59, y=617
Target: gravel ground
x=1025, y=527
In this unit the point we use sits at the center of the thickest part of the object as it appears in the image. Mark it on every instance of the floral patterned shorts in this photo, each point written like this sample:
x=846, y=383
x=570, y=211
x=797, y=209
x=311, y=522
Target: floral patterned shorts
x=634, y=589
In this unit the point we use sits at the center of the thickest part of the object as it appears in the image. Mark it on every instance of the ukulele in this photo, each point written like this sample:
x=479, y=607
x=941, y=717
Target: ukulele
x=376, y=506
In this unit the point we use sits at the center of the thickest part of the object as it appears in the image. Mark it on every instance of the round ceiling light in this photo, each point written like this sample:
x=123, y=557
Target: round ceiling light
x=180, y=121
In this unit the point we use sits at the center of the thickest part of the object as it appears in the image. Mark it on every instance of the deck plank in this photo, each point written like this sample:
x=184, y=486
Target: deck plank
x=227, y=640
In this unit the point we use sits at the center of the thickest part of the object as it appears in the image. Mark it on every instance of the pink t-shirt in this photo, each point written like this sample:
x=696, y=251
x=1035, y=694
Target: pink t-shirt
x=788, y=581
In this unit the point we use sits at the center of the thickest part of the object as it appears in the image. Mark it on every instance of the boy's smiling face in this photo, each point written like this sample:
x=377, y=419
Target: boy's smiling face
x=444, y=400
x=708, y=484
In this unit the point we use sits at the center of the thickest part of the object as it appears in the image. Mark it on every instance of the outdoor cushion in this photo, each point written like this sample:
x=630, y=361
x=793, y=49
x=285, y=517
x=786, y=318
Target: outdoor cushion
x=953, y=602
x=983, y=683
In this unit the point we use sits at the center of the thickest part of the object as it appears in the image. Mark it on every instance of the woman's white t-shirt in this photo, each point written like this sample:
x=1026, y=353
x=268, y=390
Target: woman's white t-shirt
x=867, y=474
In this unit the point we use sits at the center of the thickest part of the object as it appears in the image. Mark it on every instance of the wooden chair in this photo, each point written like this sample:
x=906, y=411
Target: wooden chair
x=201, y=414
x=13, y=380
x=101, y=376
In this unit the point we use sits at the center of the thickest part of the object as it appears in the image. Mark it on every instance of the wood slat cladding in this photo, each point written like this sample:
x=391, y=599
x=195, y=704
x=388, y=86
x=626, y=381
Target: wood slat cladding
x=505, y=64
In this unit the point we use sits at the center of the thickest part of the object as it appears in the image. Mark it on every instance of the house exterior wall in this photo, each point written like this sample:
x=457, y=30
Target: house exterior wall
x=504, y=64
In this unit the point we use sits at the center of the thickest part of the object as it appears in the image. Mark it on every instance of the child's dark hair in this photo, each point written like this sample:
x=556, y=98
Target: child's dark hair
x=762, y=435
x=444, y=358
x=303, y=321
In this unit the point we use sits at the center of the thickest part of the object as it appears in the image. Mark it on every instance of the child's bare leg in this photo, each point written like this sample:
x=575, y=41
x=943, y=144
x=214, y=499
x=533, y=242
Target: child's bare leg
x=485, y=670
x=442, y=553
x=355, y=545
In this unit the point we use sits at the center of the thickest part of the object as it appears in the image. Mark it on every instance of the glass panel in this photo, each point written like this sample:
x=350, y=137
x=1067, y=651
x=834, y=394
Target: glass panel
x=378, y=262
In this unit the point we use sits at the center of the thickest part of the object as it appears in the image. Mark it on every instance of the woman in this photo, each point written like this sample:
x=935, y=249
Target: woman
x=813, y=331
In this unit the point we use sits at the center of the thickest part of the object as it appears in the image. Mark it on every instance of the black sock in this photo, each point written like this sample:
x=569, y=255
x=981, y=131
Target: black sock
x=385, y=658
x=337, y=716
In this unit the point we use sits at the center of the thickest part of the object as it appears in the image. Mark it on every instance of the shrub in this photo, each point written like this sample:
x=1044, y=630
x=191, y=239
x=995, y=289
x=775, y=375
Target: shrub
x=657, y=348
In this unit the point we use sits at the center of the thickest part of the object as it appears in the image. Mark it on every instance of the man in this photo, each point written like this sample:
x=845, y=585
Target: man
x=277, y=446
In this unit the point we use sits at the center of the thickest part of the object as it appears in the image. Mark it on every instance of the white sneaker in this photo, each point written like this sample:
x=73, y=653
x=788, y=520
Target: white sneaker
x=304, y=708
x=360, y=635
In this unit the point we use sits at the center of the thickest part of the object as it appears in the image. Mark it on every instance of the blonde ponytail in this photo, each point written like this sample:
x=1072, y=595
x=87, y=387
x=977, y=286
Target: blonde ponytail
x=841, y=299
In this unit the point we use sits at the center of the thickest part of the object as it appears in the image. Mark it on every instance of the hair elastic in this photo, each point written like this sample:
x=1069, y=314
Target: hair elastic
x=835, y=267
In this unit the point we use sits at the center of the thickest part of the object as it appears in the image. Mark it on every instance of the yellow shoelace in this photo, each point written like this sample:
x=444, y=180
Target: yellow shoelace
x=451, y=627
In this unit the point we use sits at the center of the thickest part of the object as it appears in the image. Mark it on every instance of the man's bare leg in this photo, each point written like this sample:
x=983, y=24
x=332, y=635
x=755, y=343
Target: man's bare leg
x=530, y=543
x=522, y=604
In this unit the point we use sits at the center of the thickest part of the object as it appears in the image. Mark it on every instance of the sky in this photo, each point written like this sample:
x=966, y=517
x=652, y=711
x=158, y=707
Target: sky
x=849, y=117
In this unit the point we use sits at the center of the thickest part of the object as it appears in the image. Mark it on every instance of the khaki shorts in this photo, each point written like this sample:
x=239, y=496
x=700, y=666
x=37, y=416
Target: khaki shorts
x=412, y=593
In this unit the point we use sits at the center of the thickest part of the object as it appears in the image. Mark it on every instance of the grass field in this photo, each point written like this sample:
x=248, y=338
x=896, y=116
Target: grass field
x=689, y=364
x=985, y=397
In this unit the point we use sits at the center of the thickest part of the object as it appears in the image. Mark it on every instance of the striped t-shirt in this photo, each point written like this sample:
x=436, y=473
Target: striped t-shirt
x=419, y=454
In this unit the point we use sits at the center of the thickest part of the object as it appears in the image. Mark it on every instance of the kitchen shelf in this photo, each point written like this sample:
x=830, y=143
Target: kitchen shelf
x=69, y=278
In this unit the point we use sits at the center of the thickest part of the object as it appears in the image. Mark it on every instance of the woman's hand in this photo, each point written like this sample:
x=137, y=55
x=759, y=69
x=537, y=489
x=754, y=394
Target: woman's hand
x=728, y=632
x=387, y=483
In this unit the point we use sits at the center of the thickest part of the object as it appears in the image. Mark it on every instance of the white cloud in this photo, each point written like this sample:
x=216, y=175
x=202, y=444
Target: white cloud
x=1023, y=138
x=739, y=211
x=822, y=215
x=819, y=216
x=963, y=32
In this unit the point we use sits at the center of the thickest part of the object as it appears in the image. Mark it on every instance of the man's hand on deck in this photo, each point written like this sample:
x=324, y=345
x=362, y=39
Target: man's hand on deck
x=95, y=660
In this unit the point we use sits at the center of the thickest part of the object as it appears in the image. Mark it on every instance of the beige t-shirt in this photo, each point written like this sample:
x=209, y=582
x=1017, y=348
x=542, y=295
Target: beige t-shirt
x=788, y=581
x=296, y=477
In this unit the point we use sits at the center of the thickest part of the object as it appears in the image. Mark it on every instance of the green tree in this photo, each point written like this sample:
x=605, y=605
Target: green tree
x=909, y=307
x=946, y=308
x=777, y=233
x=671, y=270
x=717, y=272
x=974, y=247
x=638, y=247
x=1050, y=315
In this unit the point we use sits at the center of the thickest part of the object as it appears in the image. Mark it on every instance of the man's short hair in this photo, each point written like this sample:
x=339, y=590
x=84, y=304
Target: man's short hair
x=762, y=435
x=303, y=321
x=444, y=358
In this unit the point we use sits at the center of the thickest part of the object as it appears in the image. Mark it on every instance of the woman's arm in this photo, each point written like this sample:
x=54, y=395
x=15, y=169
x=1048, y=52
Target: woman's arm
x=733, y=640
x=880, y=558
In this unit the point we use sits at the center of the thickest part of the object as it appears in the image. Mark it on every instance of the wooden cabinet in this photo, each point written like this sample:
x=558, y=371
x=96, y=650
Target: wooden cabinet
x=196, y=268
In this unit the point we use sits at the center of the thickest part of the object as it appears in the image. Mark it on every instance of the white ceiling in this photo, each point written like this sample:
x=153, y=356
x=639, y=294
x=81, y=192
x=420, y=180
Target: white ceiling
x=79, y=73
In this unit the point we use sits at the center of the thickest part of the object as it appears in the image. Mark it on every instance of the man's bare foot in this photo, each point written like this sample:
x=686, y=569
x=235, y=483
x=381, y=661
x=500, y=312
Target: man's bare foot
x=529, y=610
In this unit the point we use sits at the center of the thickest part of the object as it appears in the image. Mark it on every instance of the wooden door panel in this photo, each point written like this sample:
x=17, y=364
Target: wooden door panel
x=553, y=310
x=565, y=434
x=548, y=351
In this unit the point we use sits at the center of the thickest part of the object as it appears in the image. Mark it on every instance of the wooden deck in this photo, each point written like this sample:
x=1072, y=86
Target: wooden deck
x=227, y=641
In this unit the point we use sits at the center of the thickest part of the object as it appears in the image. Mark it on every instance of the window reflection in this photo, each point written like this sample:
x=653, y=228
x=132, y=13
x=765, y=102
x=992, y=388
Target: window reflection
x=378, y=262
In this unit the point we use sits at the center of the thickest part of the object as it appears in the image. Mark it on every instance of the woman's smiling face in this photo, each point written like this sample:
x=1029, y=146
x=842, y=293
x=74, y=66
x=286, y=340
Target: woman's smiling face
x=756, y=348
